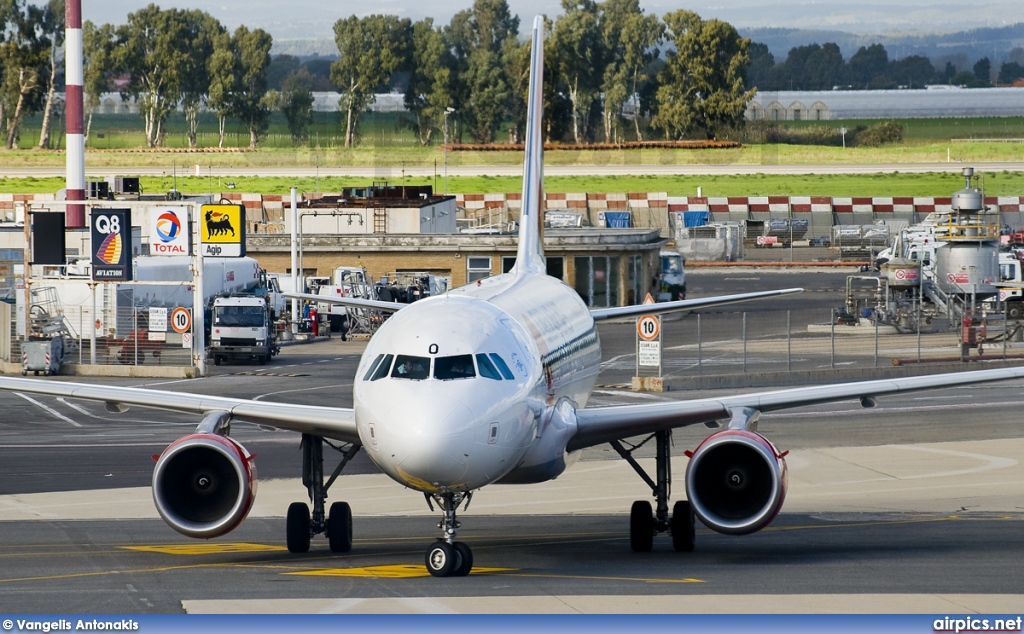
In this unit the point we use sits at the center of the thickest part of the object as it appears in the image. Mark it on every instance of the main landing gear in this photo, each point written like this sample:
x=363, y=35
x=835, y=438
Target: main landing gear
x=300, y=526
x=645, y=523
x=447, y=557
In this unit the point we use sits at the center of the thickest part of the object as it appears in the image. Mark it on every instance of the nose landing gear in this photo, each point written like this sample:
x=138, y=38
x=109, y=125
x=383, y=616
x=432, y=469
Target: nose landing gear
x=447, y=557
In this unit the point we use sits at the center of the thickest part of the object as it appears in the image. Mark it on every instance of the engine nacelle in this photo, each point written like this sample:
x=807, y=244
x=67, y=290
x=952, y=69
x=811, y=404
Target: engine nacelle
x=736, y=481
x=204, y=485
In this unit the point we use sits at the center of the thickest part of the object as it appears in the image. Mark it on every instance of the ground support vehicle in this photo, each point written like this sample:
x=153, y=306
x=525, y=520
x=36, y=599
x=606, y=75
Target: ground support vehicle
x=42, y=355
x=242, y=328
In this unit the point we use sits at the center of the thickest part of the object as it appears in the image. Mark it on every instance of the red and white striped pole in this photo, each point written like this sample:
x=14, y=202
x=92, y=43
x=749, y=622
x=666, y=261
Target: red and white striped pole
x=74, y=217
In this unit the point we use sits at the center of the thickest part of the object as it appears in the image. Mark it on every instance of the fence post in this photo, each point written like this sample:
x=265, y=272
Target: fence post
x=700, y=367
x=919, y=325
x=832, y=337
x=876, y=339
x=744, y=342
x=789, y=342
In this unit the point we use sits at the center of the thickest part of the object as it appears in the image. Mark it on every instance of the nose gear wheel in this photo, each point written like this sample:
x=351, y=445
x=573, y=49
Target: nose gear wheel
x=447, y=557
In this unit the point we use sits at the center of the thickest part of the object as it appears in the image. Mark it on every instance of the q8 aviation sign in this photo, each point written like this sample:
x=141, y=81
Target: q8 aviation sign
x=111, y=233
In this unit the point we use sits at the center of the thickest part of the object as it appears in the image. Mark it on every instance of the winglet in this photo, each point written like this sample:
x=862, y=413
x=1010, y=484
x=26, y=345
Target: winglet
x=530, y=256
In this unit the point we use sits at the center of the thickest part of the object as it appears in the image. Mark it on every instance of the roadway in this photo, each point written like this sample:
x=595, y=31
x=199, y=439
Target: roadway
x=914, y=506
x=207, y=169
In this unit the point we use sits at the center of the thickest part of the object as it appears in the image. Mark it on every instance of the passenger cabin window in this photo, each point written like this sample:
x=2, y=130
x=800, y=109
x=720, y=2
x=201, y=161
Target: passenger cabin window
x=409, y=367
x=380, y=367
x=457, y=367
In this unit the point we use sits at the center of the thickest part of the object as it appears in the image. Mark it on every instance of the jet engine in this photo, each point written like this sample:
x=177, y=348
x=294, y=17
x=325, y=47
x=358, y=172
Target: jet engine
x=204, y=485
x=736, y=481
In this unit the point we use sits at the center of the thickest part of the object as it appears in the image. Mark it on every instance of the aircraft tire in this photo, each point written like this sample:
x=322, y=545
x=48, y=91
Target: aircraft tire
x=683, y=536
x=641, y=527
x=297, y=528
x=466, y=559
x=339, y=527
x=442, y=559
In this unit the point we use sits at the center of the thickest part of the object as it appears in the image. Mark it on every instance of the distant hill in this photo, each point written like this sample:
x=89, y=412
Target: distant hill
x=967, y=46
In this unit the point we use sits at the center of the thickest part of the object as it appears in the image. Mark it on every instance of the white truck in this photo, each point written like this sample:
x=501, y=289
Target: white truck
x=241, y=328
x=1011, y=284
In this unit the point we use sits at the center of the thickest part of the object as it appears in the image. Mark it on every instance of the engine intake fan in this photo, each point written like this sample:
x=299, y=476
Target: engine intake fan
x=736, y=481
x=204, y=485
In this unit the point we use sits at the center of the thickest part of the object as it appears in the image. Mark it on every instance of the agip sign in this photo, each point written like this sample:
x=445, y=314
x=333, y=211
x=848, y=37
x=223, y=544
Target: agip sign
x=168, y=231
x=223, y=230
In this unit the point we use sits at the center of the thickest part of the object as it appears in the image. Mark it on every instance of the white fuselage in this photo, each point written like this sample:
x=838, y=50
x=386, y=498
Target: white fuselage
x=436, y=425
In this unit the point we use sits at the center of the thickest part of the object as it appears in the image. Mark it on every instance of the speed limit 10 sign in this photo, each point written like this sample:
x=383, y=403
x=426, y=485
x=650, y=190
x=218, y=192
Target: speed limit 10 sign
x=181, y=319
x=648, y=327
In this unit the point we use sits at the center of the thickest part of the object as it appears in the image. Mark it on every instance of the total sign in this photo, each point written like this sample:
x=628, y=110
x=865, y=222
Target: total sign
x=168, y=231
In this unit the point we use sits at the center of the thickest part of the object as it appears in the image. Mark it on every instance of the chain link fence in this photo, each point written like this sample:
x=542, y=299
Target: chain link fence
x=126, y=333
x=816, y=340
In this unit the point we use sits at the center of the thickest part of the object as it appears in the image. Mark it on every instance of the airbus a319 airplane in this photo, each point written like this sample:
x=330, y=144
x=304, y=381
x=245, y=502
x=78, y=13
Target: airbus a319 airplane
x=486, y=384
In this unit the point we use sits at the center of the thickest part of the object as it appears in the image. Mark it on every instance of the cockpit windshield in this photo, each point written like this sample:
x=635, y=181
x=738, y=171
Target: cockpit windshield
x=403, y=366
x=457, y=367
x=409, y=367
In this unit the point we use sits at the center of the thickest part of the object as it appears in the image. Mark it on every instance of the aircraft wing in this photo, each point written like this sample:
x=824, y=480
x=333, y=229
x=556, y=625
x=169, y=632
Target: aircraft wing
x=354, y=302
x=601, y=424
x=636, y=310
x=331, y=422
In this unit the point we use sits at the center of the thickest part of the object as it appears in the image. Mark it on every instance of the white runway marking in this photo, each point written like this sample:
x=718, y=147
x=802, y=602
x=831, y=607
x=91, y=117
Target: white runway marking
x=48, y=409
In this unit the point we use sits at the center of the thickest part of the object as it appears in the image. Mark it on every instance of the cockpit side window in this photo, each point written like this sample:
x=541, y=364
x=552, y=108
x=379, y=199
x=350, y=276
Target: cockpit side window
x=502, y=367
x=487, y=369
x=380, y=368
x=459, y=366
x=409, y=367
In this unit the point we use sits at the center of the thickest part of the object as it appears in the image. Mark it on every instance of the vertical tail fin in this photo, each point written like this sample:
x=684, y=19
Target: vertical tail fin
x=530, y=256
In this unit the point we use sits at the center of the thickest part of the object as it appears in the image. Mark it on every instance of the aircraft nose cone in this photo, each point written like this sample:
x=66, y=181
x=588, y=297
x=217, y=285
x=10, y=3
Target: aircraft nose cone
x=429, y=450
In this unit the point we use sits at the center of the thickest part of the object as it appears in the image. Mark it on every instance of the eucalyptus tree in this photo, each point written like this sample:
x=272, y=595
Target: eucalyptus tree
x=580, y=52
x=429, y=93
x=371, y=49
x=249, y=103
x=639, y=41
x=478, y=38
x=701, y=85
x=223, y=68
x=201, y=32
x=516, y=61
x=612, y=17
x=630, y=41
x=53, y=28
x=296, y=103
x=150, y=50
x=98, y=65
x=23, y=52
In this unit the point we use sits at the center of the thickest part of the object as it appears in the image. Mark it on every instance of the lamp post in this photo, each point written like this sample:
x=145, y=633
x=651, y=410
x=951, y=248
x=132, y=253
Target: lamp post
x=447, y=111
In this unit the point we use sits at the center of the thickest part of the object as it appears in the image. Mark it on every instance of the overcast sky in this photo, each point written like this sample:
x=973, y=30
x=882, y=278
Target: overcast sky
x=286, y=19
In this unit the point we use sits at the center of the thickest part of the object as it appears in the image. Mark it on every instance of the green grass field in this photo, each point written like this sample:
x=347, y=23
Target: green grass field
x=995, y=184
x=387, y=140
